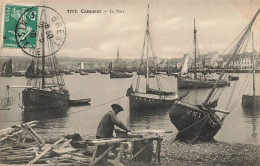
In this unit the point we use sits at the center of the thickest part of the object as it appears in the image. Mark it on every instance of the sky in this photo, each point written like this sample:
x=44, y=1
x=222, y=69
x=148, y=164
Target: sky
x=98, y=35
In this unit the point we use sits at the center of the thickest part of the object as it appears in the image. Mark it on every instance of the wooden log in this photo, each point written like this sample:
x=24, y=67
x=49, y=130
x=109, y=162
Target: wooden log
x=32, y=132
x=14, y=134
x=17, y=158
x=58, y=152
x=81, y=159
x=5, y=148
x=65, y=144
x=10, y=129
x=45, y=151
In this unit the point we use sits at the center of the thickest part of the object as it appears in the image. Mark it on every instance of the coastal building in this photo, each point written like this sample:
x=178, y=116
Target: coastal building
x=211, y=59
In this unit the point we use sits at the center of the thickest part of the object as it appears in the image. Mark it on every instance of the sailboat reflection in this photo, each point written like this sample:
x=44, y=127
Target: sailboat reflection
x=252, y=115
x=52, y=118
x=148, y=118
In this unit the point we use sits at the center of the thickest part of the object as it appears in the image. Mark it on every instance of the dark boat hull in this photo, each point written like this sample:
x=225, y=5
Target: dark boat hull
x=193, y=123
x=142, y=102
x=120, y=75
x=187, y=83
x=79, y=102
x=38, y=100
x=83, y=73
x=233, y=78
x=250, y=101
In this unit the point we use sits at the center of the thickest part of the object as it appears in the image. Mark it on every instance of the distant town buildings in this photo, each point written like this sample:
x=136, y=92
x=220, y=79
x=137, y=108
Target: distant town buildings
x=203, y=61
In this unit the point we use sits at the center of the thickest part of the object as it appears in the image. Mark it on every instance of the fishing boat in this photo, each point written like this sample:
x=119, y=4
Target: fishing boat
x=82, y=69
x=7, y=68
x=248, y=100
x=233, y=78
x=118, y=71
x=202, y=122
x=40, y=93
x=189, y=82
x=152, y=97
x=35, y=72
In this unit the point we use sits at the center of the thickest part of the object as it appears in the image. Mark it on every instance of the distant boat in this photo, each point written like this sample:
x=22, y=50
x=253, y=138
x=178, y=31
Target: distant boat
x=152, y=98
x=68, y=72
x=233, y=78
x=104, y=72
x=117, y=72
x=35, y=72
x=7, y=68
x=189, y=82
x=200, y=122
x=82, y=69
x=248, y=100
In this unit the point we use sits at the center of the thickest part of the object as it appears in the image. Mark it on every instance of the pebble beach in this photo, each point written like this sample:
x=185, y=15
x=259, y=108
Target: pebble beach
x=210, y=153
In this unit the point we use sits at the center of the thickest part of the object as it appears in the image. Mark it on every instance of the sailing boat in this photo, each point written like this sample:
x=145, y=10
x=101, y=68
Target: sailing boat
x=31, y=72
x=186, y=82
x=251, y=101
x=152, y=98
x=118, y=72
x=40, y=95
x=200, y=122
x=82, y=69
x=7, y=68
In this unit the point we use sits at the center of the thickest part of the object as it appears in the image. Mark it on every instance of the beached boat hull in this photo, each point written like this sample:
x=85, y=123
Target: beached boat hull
x=193, y=123
x=120, y=75
x=38, y=100
x=250, y=101
x=148, y=101
x=188, y=83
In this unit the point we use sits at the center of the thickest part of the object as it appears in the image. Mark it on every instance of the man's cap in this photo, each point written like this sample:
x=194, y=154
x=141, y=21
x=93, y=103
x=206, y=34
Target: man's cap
x=118, y=107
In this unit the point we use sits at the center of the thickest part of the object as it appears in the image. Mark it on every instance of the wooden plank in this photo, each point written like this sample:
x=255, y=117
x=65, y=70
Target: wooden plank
x=102, y=155
x=32, y=132
x=151, y=131
x=105, y=141
x=45, y=151
x=13, y=134
x=94, y=154
x=65, y=143
x=61, y=151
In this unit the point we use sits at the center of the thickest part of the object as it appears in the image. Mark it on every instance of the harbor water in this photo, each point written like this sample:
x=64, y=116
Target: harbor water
x=240, y=126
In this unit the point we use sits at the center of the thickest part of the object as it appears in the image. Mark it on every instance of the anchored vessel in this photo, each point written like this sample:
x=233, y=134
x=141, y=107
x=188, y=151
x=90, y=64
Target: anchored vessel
x=41, y=93
x=186, y=82
x=152, y=98
x=119, y=72
x=200, y=122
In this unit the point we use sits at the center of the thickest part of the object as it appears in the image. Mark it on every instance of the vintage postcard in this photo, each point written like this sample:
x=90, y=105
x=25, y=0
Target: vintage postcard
x=136, y=82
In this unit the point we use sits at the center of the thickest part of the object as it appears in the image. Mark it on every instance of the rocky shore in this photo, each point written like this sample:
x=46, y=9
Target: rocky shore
x=211, y=153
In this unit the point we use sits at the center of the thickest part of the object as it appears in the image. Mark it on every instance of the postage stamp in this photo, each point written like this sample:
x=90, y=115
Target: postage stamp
x=11, y=16
x=49, y=31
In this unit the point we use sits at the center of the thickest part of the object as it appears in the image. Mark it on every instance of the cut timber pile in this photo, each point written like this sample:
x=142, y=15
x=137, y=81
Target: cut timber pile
x=22, y=145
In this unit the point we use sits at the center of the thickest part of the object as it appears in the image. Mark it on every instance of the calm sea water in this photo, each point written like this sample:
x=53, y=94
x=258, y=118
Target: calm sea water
x=241, y=126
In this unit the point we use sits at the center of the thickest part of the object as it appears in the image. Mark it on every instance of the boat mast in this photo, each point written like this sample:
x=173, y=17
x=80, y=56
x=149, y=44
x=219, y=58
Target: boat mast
x=117, y=59
x=235, y=52
x=147, y=56
x=253, y=59
x=195, y=51
x=43, y=49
